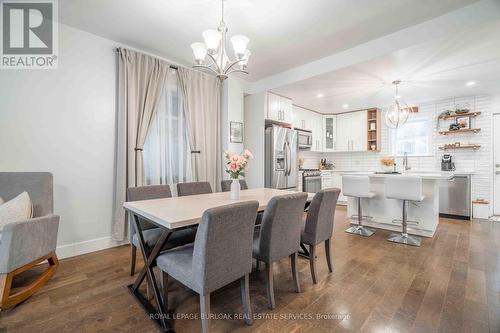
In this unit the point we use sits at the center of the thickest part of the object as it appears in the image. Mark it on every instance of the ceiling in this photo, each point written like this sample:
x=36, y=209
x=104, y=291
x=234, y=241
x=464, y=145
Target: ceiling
x=433, y=70
x=283, y=34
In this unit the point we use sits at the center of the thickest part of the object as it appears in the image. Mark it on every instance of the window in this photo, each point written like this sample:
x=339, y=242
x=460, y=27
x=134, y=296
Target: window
x=413, y=138
x=167, y=154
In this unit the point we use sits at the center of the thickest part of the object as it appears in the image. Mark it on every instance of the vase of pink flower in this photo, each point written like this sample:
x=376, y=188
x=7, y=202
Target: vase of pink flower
x=235, y=167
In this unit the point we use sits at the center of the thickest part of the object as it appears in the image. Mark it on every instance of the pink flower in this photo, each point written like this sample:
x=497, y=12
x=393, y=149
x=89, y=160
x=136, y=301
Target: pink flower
x=233, y=167
x=234, y=158
x=248, y=154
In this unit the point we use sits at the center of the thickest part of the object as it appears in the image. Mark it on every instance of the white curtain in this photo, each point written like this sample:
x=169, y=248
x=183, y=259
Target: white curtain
x=167, y=154
x=201, y=93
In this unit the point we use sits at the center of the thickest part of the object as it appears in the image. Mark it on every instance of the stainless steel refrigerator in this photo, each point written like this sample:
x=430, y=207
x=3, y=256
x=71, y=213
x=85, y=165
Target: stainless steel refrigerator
x=282, y=161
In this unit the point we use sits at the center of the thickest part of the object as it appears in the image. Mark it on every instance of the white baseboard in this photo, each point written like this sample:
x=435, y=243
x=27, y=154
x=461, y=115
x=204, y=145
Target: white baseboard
x=76, y=249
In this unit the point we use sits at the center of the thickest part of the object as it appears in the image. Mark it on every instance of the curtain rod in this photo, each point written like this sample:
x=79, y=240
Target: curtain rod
x=115, y=49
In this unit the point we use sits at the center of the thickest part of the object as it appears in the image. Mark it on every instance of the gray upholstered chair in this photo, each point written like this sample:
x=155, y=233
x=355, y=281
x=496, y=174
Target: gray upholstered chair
x=279, y=236
x=150, y=232
x=25, y=244
x=319, y=225
x=226, y=185
x=193, y=188
x=221, y=254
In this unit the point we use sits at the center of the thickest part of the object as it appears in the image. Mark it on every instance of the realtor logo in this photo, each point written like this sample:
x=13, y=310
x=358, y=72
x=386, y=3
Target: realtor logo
x=29, y=34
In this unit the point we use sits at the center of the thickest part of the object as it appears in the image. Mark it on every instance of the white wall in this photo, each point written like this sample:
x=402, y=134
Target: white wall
x=63, y=121
x=232, y=110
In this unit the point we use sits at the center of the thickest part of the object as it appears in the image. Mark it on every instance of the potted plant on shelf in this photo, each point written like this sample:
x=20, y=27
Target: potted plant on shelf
x=235, y=167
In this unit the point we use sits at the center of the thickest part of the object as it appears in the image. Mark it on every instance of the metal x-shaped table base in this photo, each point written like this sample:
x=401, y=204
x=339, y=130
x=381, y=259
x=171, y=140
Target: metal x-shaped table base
x=158, y=314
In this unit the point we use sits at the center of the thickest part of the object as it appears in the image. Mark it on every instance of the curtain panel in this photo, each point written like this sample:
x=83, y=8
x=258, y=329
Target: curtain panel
x=140, y=84
x=201, y=97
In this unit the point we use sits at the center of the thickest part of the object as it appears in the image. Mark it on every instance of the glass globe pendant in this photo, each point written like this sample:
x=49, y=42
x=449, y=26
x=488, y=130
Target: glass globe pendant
x=398, y=112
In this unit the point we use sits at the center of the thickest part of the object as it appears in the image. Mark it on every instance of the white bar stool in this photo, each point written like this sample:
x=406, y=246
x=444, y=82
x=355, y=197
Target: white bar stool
x=406, y=188
x=358, y=187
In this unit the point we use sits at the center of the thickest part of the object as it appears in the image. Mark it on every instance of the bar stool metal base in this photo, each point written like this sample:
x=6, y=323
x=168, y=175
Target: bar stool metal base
x=360, y=230
x=404, y=239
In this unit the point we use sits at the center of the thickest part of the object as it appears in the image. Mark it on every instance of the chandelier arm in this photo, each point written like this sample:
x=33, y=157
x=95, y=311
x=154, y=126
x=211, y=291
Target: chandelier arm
x=206, y=67
x=237, y=71
x=232, y=65
x=214, y=61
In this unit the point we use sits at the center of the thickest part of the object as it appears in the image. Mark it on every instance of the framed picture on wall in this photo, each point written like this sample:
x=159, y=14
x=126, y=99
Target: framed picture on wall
x=463, y=122
x=235, y=132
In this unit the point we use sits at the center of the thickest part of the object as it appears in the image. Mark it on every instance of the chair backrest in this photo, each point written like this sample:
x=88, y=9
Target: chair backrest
x=356, y=186
x=223, y=245
x=281, y=226
x=226, y=185
x=149, y=192
x=39, y=185
x=403, y=188
x=193, y=188
x=320, y=216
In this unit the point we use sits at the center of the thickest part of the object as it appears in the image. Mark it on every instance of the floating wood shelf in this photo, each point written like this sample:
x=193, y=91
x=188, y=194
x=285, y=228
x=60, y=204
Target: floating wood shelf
x=373, y=119
x=480, y=202
x=468, y=130
x=468, y=114
x=452, y=146
x=373, y=135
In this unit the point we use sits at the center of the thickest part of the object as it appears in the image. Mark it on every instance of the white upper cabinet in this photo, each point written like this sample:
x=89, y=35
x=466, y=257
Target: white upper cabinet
x=359, y=133
x=279, y=108
x=311, y=121
x=329, y=133
x=352, y=131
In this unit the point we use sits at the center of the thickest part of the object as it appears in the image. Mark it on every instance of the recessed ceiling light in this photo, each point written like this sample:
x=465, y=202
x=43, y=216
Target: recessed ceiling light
x=320, y=95
x=345, y=106
x=470, y=83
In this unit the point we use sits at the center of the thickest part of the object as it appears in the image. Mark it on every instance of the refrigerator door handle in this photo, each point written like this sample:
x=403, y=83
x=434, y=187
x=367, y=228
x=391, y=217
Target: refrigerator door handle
x=285, y=171
x=290, y=159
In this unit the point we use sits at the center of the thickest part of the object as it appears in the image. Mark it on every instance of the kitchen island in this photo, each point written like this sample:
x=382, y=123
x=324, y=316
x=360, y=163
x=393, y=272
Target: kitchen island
x=383, y=213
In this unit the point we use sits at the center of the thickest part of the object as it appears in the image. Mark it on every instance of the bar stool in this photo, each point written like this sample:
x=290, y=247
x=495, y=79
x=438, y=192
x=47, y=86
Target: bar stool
x=358, y=187
x=406, y=188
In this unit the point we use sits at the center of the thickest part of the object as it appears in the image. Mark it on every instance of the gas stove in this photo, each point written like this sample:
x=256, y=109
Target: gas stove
x=310, y=172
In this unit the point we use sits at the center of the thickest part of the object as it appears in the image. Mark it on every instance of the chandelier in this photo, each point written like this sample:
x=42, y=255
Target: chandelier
x=214, y=47
x=398, y=112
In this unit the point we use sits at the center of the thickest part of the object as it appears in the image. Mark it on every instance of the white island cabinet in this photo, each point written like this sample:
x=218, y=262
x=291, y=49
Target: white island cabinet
x=423, y=217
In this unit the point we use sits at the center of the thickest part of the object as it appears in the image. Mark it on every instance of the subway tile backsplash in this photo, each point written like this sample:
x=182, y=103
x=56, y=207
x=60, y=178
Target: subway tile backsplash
x=479, y=162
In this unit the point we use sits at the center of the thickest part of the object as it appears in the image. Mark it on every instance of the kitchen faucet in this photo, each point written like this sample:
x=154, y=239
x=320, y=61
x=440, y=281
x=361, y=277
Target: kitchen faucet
x=406, y=166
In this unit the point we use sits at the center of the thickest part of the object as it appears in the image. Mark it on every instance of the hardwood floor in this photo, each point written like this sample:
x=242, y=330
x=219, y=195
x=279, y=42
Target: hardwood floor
x=450, y=284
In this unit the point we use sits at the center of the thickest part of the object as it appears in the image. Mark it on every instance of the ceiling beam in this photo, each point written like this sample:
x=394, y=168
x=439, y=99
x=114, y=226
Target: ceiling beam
x=463, y=18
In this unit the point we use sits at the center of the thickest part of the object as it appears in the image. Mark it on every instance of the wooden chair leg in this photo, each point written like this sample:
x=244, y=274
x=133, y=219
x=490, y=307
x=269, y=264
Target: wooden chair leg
x=270, y=285
x=328, y=256
x=245, y=299
x=312, y=262
x=132, y=260
x=295, y=273
x=164, y=286
x=205, y=312
x=7, y=300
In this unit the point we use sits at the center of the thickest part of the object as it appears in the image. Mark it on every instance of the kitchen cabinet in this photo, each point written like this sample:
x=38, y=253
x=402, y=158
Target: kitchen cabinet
x=279, y=108
x=337, y=182
x=329, y=133
x=326, y=179
x=351, y=131
x=311, y=121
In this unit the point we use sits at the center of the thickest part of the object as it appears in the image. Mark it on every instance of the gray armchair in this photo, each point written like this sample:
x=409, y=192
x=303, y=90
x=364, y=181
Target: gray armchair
x=25, y=244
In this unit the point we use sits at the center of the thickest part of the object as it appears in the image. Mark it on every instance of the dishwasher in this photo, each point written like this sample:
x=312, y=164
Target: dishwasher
x=455, y=197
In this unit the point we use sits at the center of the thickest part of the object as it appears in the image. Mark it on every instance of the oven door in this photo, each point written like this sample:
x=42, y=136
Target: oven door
x=311, y=184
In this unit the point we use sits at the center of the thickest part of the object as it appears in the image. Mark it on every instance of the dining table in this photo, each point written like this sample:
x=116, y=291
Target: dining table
x=172, y=214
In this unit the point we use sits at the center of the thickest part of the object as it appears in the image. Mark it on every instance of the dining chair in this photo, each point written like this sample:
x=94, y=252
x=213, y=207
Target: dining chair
x=151, y=232
x=221, y=254
x=279, y=236
x=193, y=188
x=319, y=226
x=226, y=185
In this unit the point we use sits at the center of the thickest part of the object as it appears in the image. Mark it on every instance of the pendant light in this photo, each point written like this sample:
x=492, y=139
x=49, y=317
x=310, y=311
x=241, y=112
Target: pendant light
x=398, y=112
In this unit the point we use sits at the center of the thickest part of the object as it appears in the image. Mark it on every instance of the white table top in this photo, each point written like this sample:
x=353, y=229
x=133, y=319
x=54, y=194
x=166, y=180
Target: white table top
x=178, y=212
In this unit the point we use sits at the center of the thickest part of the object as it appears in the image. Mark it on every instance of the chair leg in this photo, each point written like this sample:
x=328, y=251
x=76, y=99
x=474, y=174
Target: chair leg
x=132, y=260
x=164, y=286
x=295, y=273
x=205, y=312
x=257, y=265
x=328, y=256
x=245, y=299
x=312, y=262
x=270, y=285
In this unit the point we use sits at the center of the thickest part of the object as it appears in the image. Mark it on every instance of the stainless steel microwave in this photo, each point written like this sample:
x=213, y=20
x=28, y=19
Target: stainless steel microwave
x=305, y=139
